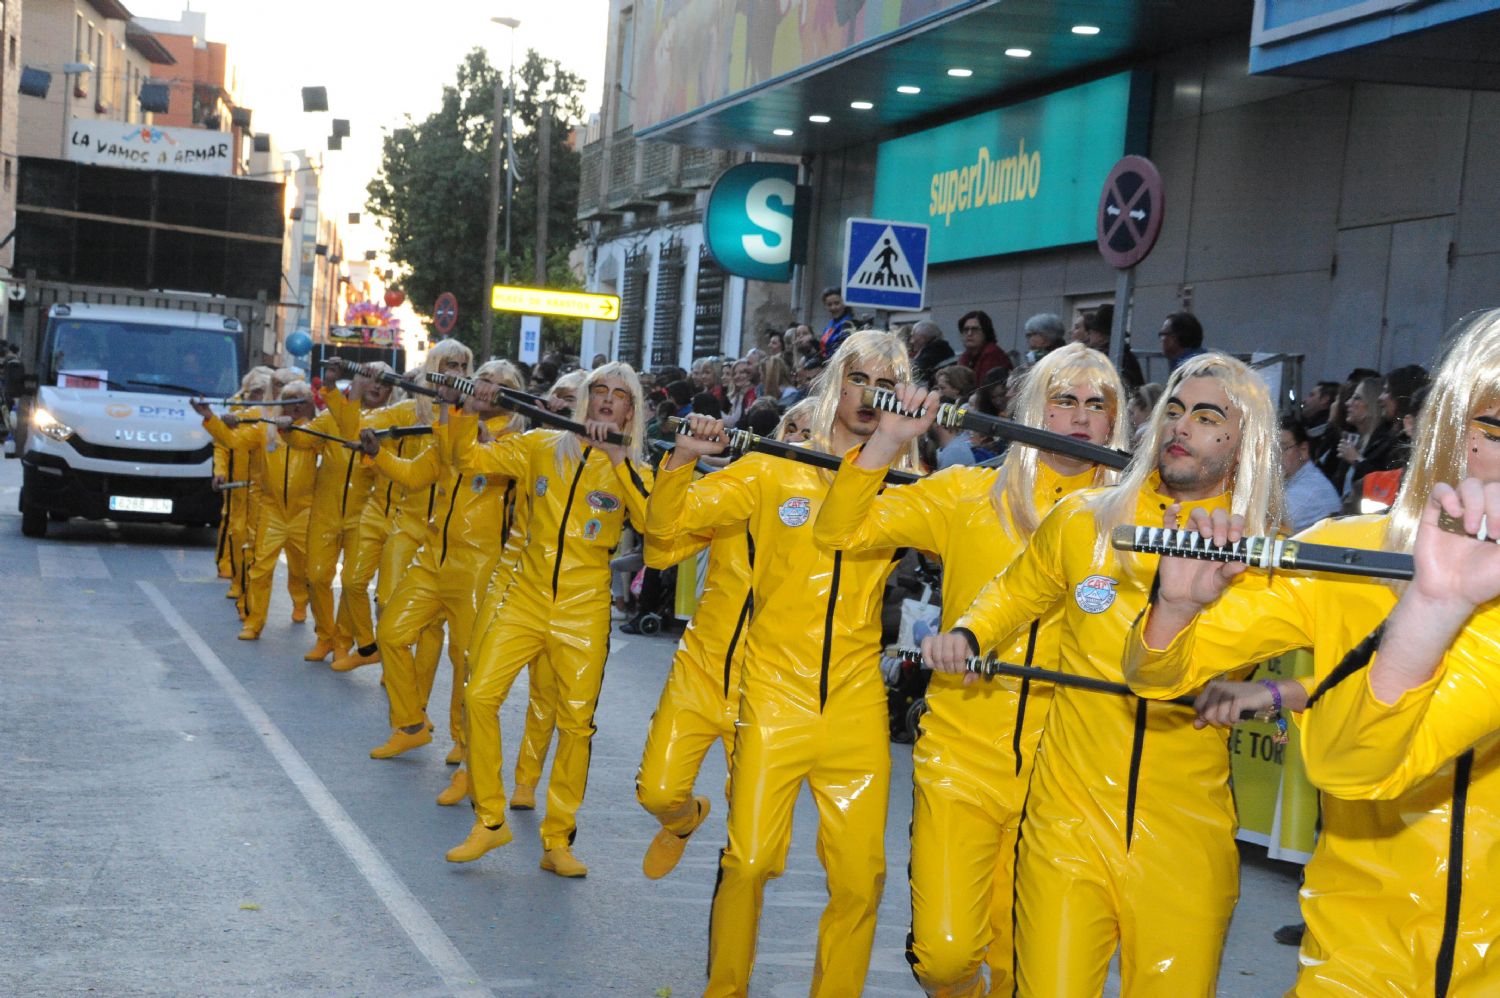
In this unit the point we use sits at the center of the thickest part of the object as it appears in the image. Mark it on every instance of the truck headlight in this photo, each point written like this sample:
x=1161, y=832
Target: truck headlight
x=46, y=423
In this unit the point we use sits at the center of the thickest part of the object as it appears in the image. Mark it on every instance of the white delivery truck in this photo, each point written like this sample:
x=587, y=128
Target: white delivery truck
x=108, y=433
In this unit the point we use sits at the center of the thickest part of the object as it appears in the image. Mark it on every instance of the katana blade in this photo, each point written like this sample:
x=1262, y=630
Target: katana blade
x=1267, y=553
x=742, y=441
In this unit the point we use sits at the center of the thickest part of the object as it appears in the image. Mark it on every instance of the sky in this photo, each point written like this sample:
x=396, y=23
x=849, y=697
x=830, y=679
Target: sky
x=377, y=68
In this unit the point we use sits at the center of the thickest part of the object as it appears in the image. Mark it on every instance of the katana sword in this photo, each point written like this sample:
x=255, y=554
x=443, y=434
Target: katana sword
x=384, y=377
x=742, y=441
x=1268, y=553
x=525, y=404
x=956, y=417
x=230, y=486
x=394, y=432
x=466, y=386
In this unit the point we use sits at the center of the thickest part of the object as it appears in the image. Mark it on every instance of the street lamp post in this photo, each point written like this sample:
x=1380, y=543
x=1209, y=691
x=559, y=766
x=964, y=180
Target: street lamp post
x=487, y=315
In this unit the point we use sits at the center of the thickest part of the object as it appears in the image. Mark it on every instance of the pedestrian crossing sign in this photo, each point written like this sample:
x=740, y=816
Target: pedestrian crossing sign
x=885, y=265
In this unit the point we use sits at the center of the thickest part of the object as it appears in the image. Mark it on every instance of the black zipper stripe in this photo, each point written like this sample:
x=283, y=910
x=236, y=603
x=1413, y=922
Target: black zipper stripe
x=286, y=477
x=431, y=500
x=452, y=504
x=1463, y=767
x=1137, y=744
x=348, y=478
x=636, y=480
x=1357, y=659
x=562, y=526
x=508, y=507
x=734, y=639
x=833, y=599
x=1015, y=743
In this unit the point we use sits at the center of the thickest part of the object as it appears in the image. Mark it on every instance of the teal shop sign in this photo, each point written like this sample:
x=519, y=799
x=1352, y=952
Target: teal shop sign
x=748, y=221
x=1019, y=178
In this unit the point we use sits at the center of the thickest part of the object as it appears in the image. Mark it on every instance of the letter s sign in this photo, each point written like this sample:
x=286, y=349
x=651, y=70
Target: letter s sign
x=748, y=221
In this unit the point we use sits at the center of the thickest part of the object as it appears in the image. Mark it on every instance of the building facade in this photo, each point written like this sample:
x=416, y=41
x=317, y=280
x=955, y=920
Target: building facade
x=202, y=91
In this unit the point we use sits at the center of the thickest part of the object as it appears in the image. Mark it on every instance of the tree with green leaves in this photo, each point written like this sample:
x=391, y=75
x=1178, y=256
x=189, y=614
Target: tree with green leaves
x=431, y=195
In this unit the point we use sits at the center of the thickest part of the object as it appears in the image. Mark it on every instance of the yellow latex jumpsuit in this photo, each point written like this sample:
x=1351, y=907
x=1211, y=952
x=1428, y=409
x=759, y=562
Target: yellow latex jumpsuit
x=700, y=700
x=236, y=529
x=972, y=761
x=558, y=605
x=1387, y=909
x=812, y=708
x=458, y=553
x=1128, y=830
x=285, y=479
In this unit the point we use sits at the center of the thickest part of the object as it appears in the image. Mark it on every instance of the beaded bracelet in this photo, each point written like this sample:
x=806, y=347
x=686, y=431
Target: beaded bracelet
x=1278, y=713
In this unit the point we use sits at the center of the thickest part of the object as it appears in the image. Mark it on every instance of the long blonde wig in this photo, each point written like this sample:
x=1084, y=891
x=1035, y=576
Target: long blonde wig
x=297, y=389
x=505, y=373
x=442, y=351
x=800, y=413
x=397, y=394
x=1255, y=484
x=257, y=379
x=1466, y=383
x=860, y=347
x=1074, y=364
x=568, y=447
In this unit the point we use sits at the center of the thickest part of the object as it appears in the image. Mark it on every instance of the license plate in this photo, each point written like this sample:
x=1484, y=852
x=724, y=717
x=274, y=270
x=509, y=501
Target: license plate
x=136, y=504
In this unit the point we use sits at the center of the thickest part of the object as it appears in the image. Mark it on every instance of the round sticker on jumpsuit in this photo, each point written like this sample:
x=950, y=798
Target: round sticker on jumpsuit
x=478, y=483
x=1095, y=594
x=795, y=511
x=541, y=486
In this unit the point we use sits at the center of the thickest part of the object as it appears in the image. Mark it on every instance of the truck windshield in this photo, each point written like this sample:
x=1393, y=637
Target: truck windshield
x=135, y=356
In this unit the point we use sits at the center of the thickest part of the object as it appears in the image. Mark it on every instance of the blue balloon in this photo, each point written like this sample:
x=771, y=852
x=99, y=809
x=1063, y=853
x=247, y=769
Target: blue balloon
x=299, y=344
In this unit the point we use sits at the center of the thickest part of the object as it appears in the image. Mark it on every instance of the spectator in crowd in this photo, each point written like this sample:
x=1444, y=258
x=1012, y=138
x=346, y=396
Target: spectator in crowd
x=804, y=345
x=599, y=361
x=1045, y=332
x=840, y=322
x=705, y=376
x=929, y=350
x=1078, y=331
x=1098, y=327
x=776, y=383
x=656, y=427
x=1316, y=409
x=1310, y=497
x=707, y=404
x=761, y=418
x=1363, y=426
x=776, y=344
x=981, y=354
x=741, y=393
x=954, y=383
x=681, y=394
x=991, y=398
x=1142, y=401
x=1181, y=338
x=756, y=356
x=542, y=377
x=805, y=375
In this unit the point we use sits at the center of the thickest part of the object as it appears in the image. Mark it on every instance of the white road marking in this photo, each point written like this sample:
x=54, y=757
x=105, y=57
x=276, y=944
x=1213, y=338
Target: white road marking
x=404, y=907
x=70, y=561
x=191, y=566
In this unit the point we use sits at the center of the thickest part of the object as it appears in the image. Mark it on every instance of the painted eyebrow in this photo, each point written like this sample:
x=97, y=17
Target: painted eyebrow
x=1210, y=407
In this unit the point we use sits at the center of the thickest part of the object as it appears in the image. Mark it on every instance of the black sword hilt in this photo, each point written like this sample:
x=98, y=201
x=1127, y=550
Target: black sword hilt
x=1262, y=552
x=737, y=441
x=884, y=399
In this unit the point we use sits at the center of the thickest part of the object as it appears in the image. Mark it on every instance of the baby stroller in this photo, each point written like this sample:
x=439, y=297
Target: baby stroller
x=655, y=593
x=905, y=681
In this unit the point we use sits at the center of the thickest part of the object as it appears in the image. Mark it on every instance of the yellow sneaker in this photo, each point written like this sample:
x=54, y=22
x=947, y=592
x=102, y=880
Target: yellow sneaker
x=401, y=741
x=458, y=789
x=455, y=756
x=480, y=841
x=318, y=652
x=664, y=852
x=249, y=634
x=299, y=613
x=562, y=862
x=353, y=660
x=524, y=798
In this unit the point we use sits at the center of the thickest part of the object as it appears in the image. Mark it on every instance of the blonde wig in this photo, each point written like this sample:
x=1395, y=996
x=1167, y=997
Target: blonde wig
x=861, y=347
x=570, y=382
x=1466, y=383
x=442, y=351
x=568, y=447
x=1255, y=483
x=397, y=394
x=502, y=372
x=283, y=376
x=800, y=413
x=1074, y=364
x=257, y=379
x=291, y=390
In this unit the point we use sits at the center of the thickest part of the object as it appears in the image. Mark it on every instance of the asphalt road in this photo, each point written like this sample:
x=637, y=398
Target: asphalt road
x=184, y=813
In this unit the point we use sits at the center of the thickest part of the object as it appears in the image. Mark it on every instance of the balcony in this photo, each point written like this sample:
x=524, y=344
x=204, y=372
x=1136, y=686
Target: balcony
x=621, y=173
x=624, y=190
x=591, y=181
x=701, y=167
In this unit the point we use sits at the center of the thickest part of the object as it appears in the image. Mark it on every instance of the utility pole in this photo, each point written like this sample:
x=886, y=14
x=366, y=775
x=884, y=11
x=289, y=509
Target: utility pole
x=487, y=314
x=543, y=189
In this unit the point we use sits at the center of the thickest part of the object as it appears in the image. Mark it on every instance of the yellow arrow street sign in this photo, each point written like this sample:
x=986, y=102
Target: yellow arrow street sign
x=544, y=301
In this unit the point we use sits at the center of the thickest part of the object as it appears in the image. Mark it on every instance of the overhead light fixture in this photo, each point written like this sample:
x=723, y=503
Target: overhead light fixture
x=861, y=105
x=819, y=119
x=960, y=72
x=783, y=132
x=1018, y=53
x=908, y=89
x=1085, y=29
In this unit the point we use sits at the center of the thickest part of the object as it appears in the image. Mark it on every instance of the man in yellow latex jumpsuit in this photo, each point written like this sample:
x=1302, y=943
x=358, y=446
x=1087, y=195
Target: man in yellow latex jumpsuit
x=972, y=760
x=284, y=477
x=232, y=464
x=580, y=492
x=1128, y=832
x=701, y=698
x=339, y=491
x=462, y=545
x=813, y=704
x=1384, y=895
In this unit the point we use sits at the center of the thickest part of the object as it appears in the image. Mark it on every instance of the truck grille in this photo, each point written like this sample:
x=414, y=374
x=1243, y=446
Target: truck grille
x=141, y=455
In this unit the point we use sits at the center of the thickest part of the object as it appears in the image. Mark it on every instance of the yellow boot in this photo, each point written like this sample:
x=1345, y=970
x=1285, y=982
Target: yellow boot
x=402, y=741
x=458, y=789
x=666, y=849
x=524, y=799
x=299, y=613
x=455, y=756
x=249, y=634
x=562, y=862
x=355, y=659
x=318, y=652
x=480, y=841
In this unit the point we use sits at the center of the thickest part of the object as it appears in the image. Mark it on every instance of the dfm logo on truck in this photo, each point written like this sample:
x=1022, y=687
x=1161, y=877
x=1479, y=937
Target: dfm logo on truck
x=143, y=436
x=748, y=223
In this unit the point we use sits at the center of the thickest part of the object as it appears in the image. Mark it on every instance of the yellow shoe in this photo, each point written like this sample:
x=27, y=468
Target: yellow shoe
x=458, y=789
x=233, y=593
x=299, y=614
x=249, y=634
x=562, y=862
x=401, y=741
x=455, y=756
x=318, y=652
x=666, y=849
x=353, y=660
x=524, y=799
x=480, y=841
x=340, y=651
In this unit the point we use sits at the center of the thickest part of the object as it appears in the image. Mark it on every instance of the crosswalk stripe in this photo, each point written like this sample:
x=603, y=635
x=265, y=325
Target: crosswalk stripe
x=70, y=561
